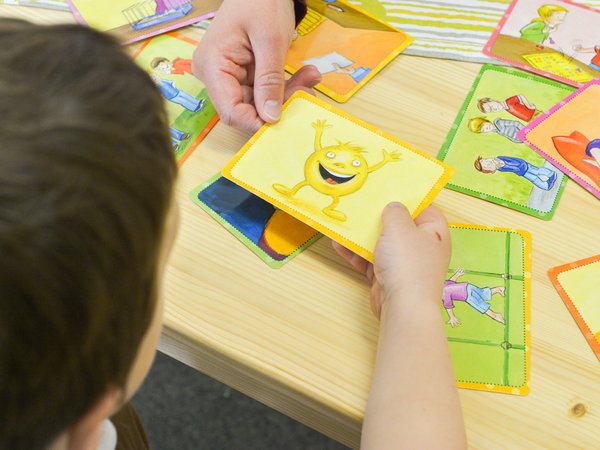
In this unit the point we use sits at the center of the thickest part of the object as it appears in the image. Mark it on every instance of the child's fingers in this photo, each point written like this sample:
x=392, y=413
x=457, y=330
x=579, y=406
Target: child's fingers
x=356, y=261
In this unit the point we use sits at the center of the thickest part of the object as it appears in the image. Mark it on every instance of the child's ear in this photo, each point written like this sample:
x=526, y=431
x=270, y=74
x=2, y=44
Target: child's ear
x=84, y=434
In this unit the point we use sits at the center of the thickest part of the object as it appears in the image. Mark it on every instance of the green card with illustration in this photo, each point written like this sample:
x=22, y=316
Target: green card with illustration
x=490, y=160
x=486, y=308
x=168, y=60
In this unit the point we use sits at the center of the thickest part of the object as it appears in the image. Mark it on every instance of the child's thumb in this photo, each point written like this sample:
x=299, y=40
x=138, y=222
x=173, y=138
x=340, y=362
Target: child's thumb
x=395, y=218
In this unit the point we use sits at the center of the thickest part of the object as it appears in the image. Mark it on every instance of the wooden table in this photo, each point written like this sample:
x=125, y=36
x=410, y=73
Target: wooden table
x=302, y=339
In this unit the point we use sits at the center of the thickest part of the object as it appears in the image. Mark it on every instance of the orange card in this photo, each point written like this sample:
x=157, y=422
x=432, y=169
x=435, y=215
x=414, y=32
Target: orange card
x=578, y=284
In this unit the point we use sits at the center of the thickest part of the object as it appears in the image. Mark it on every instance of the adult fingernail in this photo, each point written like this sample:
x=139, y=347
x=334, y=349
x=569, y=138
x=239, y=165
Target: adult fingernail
x=272, y=109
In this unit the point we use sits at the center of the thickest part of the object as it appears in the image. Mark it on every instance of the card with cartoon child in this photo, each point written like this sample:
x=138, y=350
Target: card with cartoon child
x=486, y=308
x=168, y=60
x=347, y=45
x=134, y=20
x=485, y=149
x=568, y=136
x=558, y=39
x=335, y=172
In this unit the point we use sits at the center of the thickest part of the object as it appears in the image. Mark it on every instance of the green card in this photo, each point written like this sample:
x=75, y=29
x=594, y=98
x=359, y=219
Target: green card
x=273, y=235
x=490, y=160
x=485, y=305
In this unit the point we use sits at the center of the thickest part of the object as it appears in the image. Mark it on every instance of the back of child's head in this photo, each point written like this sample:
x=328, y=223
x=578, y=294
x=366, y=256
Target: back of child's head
x=86, y=179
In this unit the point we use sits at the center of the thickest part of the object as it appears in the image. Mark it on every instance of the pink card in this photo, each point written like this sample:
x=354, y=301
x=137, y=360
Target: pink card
x=558, y=39
x=133, y=20
x=568, y=136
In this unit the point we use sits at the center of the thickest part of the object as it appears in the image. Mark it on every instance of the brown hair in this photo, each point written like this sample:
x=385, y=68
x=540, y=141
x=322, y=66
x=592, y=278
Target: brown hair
x=87, y=173
x=479, y=167
x=156, y=61
x=483, y=101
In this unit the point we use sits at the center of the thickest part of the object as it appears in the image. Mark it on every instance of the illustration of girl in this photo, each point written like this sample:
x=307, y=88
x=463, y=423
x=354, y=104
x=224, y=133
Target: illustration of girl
x=539, y=29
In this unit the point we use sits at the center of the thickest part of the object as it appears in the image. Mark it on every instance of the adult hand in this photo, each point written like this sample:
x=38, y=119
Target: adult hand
x=410, y=256
x=241, y=60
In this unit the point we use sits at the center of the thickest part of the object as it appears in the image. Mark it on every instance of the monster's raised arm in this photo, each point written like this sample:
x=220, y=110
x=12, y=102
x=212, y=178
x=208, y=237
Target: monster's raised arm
x=319, y=126
x=387, y=157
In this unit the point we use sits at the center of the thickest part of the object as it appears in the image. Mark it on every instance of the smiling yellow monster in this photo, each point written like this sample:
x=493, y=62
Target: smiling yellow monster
x=336, y=170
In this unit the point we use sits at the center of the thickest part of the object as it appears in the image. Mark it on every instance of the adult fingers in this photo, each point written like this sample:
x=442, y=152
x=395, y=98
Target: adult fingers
x=304, y=79
x=269, y=50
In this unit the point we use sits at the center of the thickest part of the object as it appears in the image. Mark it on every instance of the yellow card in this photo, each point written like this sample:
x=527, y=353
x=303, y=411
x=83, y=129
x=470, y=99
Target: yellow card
x=335, y=172
x=558, y=64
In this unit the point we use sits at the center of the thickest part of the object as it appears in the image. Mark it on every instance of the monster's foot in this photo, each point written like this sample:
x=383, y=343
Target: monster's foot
x=283, y=189
x=337, y=215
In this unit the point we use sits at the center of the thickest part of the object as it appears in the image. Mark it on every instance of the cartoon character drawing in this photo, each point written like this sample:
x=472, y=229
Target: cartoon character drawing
x=149, y=13
x=517, y=105
x=175, y=95
x=336, y=170
x=581, y=153
x=541, y=177
x=595, y=63
x=178, y=66
x=476, y=297
x=540, y=28
x=506, y=128
x=357, y=73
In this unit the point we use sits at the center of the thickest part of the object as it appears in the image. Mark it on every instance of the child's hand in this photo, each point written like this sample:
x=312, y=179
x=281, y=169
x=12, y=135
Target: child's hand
x=241, y=59
x=411, y=257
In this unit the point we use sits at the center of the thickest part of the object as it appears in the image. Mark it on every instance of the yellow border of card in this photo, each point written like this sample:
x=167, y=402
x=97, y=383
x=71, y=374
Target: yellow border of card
x=282, y=141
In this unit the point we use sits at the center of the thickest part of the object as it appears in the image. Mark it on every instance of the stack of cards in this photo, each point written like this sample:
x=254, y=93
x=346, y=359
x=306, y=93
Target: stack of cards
x=335, y=172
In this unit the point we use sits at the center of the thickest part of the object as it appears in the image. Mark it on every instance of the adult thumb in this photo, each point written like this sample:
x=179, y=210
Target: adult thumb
x=269, y=79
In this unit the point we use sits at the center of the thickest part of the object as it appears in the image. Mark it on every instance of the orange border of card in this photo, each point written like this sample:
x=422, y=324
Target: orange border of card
x=553, y=273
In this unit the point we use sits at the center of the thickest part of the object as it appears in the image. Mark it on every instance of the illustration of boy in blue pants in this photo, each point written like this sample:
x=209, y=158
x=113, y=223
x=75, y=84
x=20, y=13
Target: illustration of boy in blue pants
x=474, y=296
x=175, y=95
x=541, y=177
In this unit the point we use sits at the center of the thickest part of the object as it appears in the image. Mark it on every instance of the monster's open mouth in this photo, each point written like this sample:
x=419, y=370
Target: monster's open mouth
x=333, y=177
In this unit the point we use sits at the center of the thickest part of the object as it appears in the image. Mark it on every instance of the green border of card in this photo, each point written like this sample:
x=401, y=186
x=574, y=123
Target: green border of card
x=460, y=121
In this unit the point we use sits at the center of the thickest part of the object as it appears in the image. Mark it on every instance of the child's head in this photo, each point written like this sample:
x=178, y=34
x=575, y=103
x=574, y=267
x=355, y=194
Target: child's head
x=86, y=181
x=162, y=65
x=480, y=125
x=485, y=165
x=489, y=105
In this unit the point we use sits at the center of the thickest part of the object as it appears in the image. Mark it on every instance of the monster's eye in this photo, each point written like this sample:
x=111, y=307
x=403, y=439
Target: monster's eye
x=356, y=163
x=330, y=155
